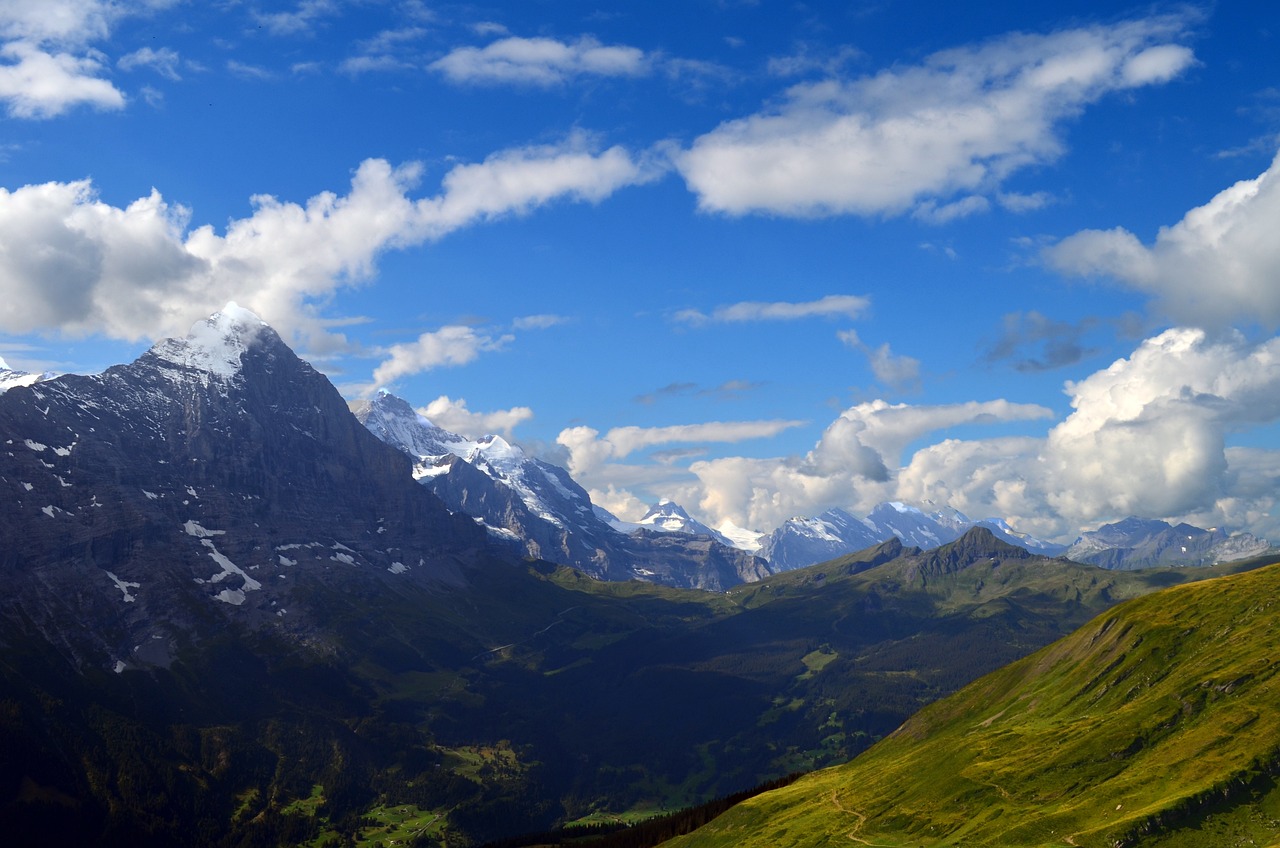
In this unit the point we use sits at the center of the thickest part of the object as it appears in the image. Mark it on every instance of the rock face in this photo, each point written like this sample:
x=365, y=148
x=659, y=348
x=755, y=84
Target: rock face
x=206, y=484
x=1147, y=543
x=538, y=509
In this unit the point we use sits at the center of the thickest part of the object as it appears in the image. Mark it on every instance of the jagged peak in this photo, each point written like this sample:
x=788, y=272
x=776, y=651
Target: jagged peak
x=216, y=345
x=665, y=507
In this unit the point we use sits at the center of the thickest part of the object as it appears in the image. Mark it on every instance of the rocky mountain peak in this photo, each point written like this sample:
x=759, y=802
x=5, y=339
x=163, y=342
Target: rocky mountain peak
x=214, y=348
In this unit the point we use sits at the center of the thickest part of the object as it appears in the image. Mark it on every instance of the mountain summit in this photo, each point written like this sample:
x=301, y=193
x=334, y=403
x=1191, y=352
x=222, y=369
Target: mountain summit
x=212, y=479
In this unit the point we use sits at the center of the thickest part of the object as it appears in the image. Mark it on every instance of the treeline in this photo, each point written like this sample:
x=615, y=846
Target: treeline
x=647, y=833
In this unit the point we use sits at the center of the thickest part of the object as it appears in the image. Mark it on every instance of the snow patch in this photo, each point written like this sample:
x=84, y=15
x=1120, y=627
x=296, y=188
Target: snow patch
x=235, y=597
x=194, y=529
x=398, y=568
x=35, y=446
x=125, y=587
x=215, y=347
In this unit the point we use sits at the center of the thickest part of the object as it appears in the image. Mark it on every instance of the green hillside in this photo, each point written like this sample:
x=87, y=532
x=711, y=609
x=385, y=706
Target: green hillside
x=528, y=698
x=1158, y=723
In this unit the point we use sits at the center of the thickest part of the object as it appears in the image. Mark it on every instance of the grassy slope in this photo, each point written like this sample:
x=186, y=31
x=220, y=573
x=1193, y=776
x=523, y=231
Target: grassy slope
x=569, y=679
x=1157, y=723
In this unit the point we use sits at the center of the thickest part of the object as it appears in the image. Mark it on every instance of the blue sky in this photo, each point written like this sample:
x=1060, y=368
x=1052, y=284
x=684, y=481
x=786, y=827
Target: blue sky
x=764, y=258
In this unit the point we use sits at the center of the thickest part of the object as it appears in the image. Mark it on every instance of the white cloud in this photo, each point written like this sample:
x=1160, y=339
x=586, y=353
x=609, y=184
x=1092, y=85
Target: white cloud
x=454, y=416
x=1216, y=266
x=954, y=126
x=853, y=465
x=38, y=84
x=846, y=305
x=164, y=61
x=448, y=346
x=892, y=370
x=538, y=322
x=66, y=22
x=518, y=180
x=932, y=212
x=540, y=61
x=300, y=21
x=1147, y=436
x=46, y=64
x=384, y=52
x=72, y=263
x=587, y=450
x=1018, y=203
x=245, y=71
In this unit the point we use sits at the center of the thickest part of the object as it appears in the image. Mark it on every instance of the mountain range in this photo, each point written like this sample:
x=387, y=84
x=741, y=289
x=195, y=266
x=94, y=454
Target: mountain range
x=235, y=614
x=539, y=508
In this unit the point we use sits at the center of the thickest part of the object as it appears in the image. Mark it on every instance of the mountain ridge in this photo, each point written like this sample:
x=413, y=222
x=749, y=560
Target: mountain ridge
x=538, y=509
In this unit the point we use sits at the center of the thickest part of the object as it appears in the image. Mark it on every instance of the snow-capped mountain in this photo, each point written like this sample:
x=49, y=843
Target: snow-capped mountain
x=805, y=541
x=667, y=516
x=10, y=378
x=1145, y=543
x=546, y=490
x=538, y=508
x=216, y=481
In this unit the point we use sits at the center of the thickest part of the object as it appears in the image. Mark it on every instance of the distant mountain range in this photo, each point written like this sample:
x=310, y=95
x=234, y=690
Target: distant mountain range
x=559, y=523
x=537, y=508
x=1146, y=543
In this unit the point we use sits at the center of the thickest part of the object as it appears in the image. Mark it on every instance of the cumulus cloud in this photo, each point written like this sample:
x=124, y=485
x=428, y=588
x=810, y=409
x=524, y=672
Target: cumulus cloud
x=855, y=463
x=1146, y=436
x=935, y=137
x=1216, y=266
x=38, y=84
x=540, y=61
x=833, y=305
x=454, y=416
x=71, y=263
